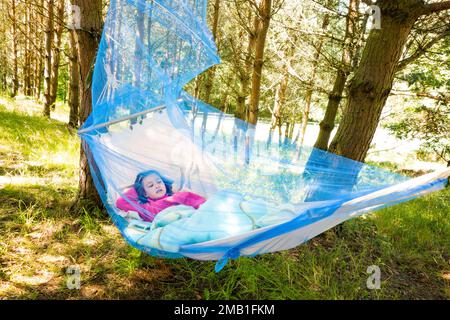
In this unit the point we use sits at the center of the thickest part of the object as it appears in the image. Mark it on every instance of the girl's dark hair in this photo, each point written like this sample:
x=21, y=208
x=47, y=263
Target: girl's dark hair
x=139, y=187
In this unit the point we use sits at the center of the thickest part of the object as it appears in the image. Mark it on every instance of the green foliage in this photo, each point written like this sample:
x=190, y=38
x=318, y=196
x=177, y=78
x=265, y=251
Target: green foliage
x=63, y=81
x=427, y=120
x=428, y=124
x=290, y=41
x=419, y=78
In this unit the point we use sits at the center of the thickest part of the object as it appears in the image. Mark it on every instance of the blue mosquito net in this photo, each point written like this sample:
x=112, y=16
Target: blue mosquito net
x=221, y=188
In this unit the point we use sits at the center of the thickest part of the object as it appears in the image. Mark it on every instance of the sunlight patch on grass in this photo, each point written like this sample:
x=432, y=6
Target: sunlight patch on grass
x=89, y=241
x=26, y=181
x=42, y=277
x=22, y=251
x=32, y=141
x=110, y=229
x=44, y=231
x=22, y=104
x=51, y=259
x=8, y=289
x=30, y=107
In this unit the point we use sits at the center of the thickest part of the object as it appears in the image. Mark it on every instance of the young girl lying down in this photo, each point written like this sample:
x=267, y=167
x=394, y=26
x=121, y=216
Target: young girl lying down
x=184, y=218
x=152, y=193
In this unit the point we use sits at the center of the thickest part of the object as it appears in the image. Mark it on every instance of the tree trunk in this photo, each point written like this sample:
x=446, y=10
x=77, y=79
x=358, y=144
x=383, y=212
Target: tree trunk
x=305, y=115
x=56, y=52
x=15, y=90
x=265, y=9
x=39, y=59
x=38, y=77
x=87, y=40
x=211, y=73
x=244, y=77
x=74, y=91
x=224, y=101
x=335, y=97
x=368, y=92
x=373, y=80
x=137, y=50
x=287, y=131
x=198, y=84
x=280, y=98
x=308, y=98
x=48, y=58
x=27, y=66
x=3, y=51
x=117, y=61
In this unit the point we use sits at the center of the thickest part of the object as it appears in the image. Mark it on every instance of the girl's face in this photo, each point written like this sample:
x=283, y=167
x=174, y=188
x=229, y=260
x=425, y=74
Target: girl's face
x=154, y=187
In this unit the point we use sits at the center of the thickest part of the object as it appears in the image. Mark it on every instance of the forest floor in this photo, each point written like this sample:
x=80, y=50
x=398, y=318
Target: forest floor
x=41, y=239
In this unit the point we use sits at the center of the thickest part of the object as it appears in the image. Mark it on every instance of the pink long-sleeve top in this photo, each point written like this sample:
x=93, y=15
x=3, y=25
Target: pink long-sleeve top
x=148, y=211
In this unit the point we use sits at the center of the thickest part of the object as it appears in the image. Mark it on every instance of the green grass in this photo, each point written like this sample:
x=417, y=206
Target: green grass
x=40, y=238
x=34, y=145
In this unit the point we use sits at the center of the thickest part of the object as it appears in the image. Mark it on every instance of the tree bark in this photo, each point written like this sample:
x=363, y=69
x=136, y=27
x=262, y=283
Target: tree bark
x=27, y=66
x=87, y=39
x=265, y=10
x=74, y=91
x=368, y=92
x=3, y=51
x=15, y=90
x=374, y=78
x=335, y=97
x=39, y=59
x=137, y=50
x=280, y=98
x=49, y=30
x=56, y=52
x=244, y=75
x=312, y=81
x=211, y=73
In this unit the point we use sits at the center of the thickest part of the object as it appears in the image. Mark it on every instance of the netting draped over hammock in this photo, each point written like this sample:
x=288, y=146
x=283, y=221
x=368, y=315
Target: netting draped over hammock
x=261, y=196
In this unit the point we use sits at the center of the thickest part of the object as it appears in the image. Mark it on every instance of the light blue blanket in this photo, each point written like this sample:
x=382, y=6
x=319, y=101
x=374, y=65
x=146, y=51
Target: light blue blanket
x=225, y=214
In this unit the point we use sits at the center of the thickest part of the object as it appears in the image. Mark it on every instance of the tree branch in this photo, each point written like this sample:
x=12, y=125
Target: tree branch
x=422, y=50
x=443, y=98
x=436, y=7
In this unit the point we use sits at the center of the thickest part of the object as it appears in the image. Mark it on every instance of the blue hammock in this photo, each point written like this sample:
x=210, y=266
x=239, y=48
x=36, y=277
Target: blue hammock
x=261, y=196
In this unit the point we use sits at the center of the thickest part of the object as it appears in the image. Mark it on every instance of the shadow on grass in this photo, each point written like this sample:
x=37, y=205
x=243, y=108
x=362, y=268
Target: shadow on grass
x=35, y=144
x=48, y=197
x=32, y=170
x=22, y=125
x=47, y=239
